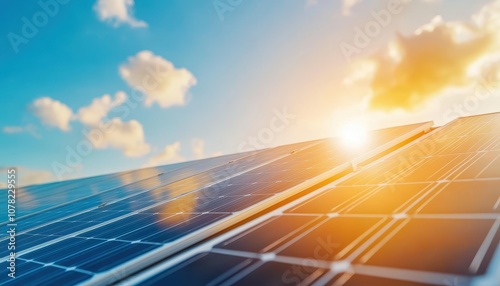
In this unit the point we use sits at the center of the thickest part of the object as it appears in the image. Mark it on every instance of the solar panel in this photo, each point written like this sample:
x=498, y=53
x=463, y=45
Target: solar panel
x=426, y=214
x=40, y=197
x=148, y=220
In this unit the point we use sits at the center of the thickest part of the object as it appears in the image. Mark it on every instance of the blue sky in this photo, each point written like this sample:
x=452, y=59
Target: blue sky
x=228, y=74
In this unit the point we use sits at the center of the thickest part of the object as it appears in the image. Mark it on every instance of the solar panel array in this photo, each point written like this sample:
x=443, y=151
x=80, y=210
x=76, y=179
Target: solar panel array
x=427, y=214
x=134, y=219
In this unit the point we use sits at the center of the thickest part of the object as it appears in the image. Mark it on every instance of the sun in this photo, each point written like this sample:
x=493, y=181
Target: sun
x=354, y=134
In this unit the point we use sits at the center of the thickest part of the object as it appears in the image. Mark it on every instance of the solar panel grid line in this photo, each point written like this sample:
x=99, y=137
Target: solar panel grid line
x=62, y=186
x=79, y=212
x=415, y=199
x=368, y=196
x=477, y=159
x=426, y=128
x=359, y=240
x=295, y=261
x=80, y=199
x=74, y=185
x=473, y=161
x=344, y=208
x=456, y=216
x=400, y=177
x=205, y=232
x=107, y=222
x=183, y=167
x=427, y=200
x=248, y=269
x=481, y=253
x=265, y=204
x=209, y=245
x=403, y=176
x=403, y=275
x=493, y=276
x=380, y=244
x=234, y=280
x=356, y=201
x=122, y=198
x=447, y=277
x=284, y=155
x=385, y=224
x=343, y=204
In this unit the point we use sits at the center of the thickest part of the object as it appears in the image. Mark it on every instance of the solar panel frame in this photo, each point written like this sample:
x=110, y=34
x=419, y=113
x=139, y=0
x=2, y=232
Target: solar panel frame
x=426, y=127
x=177, y=177
x=170, y=248
x=159, y=171
x=248, y=164
x=205, y=233
x=491, y=277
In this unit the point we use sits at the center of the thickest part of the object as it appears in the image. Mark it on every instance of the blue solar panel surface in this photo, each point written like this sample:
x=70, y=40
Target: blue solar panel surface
x=88, y=238
x=427, y=214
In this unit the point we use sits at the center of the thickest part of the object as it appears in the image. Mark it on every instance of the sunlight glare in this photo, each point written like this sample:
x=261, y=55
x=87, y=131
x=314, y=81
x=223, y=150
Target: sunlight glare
x=354, y=134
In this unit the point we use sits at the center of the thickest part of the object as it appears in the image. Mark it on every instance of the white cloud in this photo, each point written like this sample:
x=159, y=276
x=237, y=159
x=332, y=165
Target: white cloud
x=158, y=79
x=170, y=154
x=99, y=108
x=29, y=128
x=118, y=12
x=114, y=133
x=437, y=57
x=125, y=136
x=198, y=148
x=13, y=129
x=53, y=112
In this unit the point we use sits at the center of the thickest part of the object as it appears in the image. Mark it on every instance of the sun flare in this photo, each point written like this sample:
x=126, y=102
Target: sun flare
x=354, y=134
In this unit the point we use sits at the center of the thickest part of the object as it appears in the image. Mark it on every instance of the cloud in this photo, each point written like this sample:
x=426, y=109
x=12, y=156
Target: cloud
x=52, y=112
x=13, y=129
x=169, y=155
x=29, y=128
x=118, y=12
x=440, y=55
x=125, y=136
x=158, y=79
x=198, y=148
x=99, y=108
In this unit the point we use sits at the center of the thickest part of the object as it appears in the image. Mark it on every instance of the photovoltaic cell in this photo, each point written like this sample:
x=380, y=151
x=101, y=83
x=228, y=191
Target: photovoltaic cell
x=426, y=214
x=133, y=183
x=157, y=214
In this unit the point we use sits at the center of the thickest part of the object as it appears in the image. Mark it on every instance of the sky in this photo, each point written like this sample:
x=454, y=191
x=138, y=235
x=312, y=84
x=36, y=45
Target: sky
x=95, y=87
